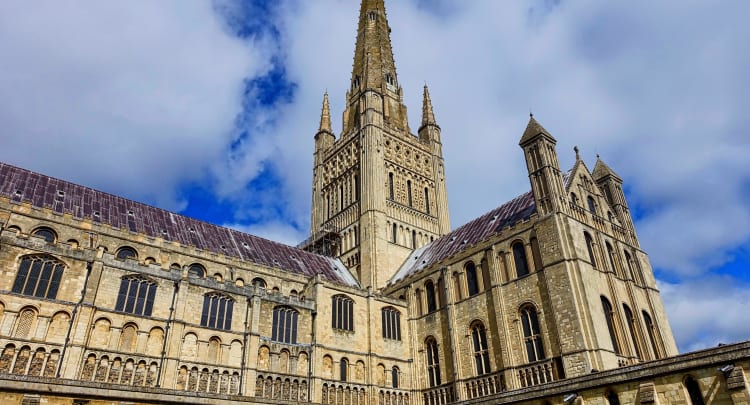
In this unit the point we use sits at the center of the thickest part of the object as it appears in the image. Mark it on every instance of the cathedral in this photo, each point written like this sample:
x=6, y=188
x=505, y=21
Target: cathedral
x=546, y=299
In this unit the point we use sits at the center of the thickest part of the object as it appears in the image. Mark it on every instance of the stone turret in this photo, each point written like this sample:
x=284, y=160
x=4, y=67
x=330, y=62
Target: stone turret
x=543, y=168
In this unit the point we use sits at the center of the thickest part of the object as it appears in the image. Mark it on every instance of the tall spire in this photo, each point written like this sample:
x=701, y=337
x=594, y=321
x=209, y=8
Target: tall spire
x=428, y=116
x=325, y=116
x=373, y=56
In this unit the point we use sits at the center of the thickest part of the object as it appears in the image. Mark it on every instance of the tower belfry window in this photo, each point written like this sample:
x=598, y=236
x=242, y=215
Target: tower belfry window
x=389, y=79
x=373, y=16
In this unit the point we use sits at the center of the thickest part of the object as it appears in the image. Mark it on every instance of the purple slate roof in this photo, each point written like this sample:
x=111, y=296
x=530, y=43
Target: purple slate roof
x=517, y=209
x=41, y=191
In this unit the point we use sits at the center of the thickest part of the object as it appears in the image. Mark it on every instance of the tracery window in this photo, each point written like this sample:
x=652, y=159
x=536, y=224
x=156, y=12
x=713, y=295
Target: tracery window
x=284, y=325
x=481, y=354
x=519, y=258
x=342, y=313
x=651, y=334
x=433, y=362
x=471, y=278
x=39, y=276
x=46, y=233
x=391, y=323
x=217, y=311
x=126, y=252
x=429, y=287
x=136, y=296
x=531, y=334
x=610, y=317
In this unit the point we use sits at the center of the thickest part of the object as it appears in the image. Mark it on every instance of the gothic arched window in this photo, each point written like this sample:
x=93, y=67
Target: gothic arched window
x=612, y=260
x=391, y=193
x=391, y=323
x=426, y=200
x=650, y=328
x=590, y=248
x=481, y=353
x=694, y=391
x=531, y=334
x=217, y=311
x=433, y=362
x=429, y=287
x=394, y=377
x=342, y=313
x=39, y=276
x=609, y=315
x=592, y=204
x=285, y=325
x=136, y=296
x=630, y=319
x=519, y=258
x=471, y=279
x=343, y=368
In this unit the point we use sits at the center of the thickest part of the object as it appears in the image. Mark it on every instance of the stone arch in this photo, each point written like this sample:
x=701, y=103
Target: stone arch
x=235, y=353
x=189, y=349
x=50, y=369
x=26, y=322
x=327, y=367
x=283, y=361
x=182, y=375
x=264, y=354
x=22, y=360
x=37, y=363
x=214, y=350
x=115, y=370
x=154, y=342
x=58, y=327
x=101, y=369
x=100, y=333
x=87, y=372
x=302, y=363
x=128, y=338
x=6, y=358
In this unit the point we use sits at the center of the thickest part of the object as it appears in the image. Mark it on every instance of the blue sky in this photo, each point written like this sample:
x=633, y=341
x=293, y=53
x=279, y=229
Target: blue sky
x=209, y=109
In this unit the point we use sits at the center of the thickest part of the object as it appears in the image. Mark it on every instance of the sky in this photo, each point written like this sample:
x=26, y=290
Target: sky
x=210, y=108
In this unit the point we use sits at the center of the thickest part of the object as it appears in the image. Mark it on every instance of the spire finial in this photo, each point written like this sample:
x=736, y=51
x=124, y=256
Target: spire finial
x=597, y=157
x=325, y=115
x=428, y=116
x=578, y=156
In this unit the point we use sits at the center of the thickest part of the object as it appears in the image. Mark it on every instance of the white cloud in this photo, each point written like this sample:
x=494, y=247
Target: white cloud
x=131, y=97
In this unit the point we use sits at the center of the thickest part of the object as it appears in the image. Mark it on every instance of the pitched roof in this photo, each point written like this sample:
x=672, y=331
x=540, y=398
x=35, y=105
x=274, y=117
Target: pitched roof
x=533, y=128
x=20, y=185
x=473, y=232
x=602, y=170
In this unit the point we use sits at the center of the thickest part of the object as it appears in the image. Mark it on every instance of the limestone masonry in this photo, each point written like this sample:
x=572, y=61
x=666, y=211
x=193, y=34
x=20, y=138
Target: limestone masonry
x=547, y=299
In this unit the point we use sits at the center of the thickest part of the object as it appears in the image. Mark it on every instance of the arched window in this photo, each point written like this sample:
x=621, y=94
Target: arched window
x=650, y=328
x=426, y=200
x=39, y=276
x=49, y=235
x=632, y=329
x=372, y=15
x=24, y=323
x=391, y=323
x=430, y=292
x=531, y=335
x=408, y=192
x=196, y=270
x=574, y=198
x=694, y=391
x=418, y=298
x=609, y=315
x=590, y=248
x=342, y=313
x=611, y=257
x=391, y=193
x=433, y=361
x=457, y=286
x=343, y=369
x=519, y=258
x=394, y=234
x=126, y=252
x=394, y=377
x=136, y=296
x=592, y=204
x=612, y=398
x=258, y=282
x=284, y=325
x=217, y=311
x=471, y=278
x=481, y=354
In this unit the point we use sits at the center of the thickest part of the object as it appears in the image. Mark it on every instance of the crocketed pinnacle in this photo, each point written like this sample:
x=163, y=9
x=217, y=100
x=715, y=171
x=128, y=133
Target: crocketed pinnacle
x=533, y=129
x=325, y=116
x=428, y=116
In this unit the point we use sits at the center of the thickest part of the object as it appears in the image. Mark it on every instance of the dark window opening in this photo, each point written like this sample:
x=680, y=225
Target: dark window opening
x=610, y=317
x=519, y=258
x=285, y=325
x=531, y=335
x=39, y=276
x=481, y=354
x=342, y=313
x=136, y=296
x=217, y=311
x=471, y=279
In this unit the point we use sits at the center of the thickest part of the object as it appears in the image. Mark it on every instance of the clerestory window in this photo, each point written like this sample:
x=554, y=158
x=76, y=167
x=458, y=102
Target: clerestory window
x=136, y=296
x=39, y=276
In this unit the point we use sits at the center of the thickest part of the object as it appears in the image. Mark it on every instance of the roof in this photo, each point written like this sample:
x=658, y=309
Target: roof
x=20, y=185
x=533, y=128
x=473, y=232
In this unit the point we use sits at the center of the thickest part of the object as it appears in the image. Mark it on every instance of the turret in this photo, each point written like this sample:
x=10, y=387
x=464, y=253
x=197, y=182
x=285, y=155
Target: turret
x=324, y=140
x=611, y=185
x=543, y=168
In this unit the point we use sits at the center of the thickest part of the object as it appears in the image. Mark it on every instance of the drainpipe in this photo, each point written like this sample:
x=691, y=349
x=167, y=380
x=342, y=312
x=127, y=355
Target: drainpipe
x=73, y=319
x=244, y=346
x=166, y=334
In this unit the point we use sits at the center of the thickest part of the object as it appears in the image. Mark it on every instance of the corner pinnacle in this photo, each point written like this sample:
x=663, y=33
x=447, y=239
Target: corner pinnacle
x=325, y=116
x=428, y=116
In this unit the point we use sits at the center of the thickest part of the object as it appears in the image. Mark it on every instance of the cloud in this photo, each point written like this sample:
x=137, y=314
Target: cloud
x=133, y=98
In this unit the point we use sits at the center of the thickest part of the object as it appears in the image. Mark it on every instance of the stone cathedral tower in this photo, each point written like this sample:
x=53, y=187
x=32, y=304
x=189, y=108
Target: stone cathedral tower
x=378, y=190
